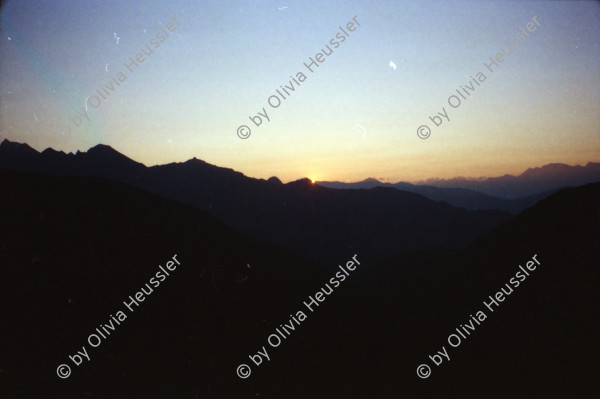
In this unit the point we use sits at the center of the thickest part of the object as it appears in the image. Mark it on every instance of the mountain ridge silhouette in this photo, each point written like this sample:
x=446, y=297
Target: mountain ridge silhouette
x=316, y=222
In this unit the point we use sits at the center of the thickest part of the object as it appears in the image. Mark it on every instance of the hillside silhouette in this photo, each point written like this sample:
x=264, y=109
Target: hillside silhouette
x=73, y=249
x=316, y=222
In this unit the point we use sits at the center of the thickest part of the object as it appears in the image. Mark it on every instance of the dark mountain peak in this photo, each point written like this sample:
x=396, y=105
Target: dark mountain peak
x=195, y=161
x=52, y=151
x=305, y=182
x=103, y=155
x=200, y=166
x=16, y=155
x=21, y=148
x=103, y=149
x=274, y=180
x=50, y=154
x=200, y=169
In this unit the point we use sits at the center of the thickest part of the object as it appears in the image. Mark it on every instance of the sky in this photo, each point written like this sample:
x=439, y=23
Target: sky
x=355, y=116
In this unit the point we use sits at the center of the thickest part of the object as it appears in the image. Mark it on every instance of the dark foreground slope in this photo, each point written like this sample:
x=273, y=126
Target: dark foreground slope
x=540, y=342
x=72, y=250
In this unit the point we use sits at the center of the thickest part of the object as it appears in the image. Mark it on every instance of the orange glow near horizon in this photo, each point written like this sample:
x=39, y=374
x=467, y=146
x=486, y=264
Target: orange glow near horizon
x=537, y=106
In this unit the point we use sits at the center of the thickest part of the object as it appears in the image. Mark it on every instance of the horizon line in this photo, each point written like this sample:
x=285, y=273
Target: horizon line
x=379, y=180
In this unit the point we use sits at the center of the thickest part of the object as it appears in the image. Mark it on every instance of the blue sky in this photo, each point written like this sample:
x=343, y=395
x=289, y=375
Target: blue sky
x=354, y=117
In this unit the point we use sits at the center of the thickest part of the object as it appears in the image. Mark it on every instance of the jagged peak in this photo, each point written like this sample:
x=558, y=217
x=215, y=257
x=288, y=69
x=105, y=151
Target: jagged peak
x=196, y=161
x=8, y=143
x=10, y=146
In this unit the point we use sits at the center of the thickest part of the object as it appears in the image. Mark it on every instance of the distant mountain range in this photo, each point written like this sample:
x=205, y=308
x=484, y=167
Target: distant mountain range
x=460, y=197
x=72, y=249
x=509, y=193
x=319, y=223
x=533, y=181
